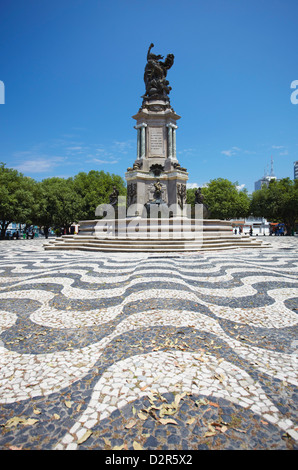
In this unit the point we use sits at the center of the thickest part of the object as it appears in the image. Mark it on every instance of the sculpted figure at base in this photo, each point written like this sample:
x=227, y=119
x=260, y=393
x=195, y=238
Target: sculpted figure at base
x=114, y=197
x=181, y=193
x=199, y=199
x=158, y=190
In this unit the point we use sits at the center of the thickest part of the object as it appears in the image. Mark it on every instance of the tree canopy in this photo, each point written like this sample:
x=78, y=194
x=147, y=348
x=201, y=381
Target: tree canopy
x=53, y=202
x=93, y=188
x=59, y=203
x=16, y=197
x=278, y=202
x=223, y=199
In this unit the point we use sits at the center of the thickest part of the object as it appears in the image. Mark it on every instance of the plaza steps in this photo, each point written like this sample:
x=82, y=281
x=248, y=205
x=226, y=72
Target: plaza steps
x=213, y=235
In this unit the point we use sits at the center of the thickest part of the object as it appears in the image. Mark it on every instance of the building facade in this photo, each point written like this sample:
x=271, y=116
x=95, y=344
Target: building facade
x=265, y=180
x=258, y=225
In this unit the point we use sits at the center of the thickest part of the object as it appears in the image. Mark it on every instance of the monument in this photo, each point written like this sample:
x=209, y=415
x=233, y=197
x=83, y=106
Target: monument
x=154, y=216
x=156, y=177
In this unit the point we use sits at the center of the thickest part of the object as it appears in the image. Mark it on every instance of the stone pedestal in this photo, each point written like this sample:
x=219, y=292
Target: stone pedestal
x=156, y=176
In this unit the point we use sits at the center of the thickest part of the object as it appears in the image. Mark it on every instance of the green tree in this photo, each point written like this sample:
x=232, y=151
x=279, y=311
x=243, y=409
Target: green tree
x=223, y=199
x=54, y=202
x=190, y=196
x=94, y=188
x=278, y=202
x=58, y=203
x=16, y=197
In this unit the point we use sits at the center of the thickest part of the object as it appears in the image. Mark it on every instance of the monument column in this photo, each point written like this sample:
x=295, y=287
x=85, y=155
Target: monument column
x=174, y=143
x=141, y=140
x=156, y=164
x=138, y=143
x=170, y=141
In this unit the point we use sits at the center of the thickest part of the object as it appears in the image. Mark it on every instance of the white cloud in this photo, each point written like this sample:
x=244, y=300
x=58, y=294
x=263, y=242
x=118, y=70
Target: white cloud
x=196, y=185
x=43, y=157
x=231, y=151
x=104, y=162
x=240, y=187
x=282, y=148
x=39, y=164
x=123, y=147
x=192, y=185
x=228, y=153
x=75, y=148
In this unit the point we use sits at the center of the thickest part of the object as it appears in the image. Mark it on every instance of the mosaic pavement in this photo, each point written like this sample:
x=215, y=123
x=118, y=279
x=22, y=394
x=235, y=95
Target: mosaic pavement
x=111, y=351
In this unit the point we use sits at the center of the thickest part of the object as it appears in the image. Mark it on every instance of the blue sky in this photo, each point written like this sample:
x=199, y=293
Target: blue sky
x=73, y=76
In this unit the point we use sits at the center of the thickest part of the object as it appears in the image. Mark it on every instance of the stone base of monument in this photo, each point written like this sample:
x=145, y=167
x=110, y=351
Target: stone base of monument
x=139, y=235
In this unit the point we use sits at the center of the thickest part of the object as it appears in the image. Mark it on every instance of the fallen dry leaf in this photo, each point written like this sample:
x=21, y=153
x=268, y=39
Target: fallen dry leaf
x=13, y=422
x=30, y=421
x=178, y=398
x=130, y=424
x=211, y=431
x=239, y=430
x=213, y=404
x=190, y=421
x=201, y=401
x=137, y=446
x=142, y=416
x=167, y=421
x=167, y=409
x=144, y=388
x=84, y=437
x=16, y=420
x=107, y=442
x=151, y=397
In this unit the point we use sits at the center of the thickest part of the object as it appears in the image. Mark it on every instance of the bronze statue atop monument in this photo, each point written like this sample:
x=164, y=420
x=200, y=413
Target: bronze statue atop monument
x=157, y=86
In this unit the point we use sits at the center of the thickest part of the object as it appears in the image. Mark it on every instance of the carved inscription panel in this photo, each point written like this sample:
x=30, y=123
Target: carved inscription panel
x=156, y=141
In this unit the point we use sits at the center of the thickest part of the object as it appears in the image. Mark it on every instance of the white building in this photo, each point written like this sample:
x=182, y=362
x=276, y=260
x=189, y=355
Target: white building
x=265, y=180
x=259, y=225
